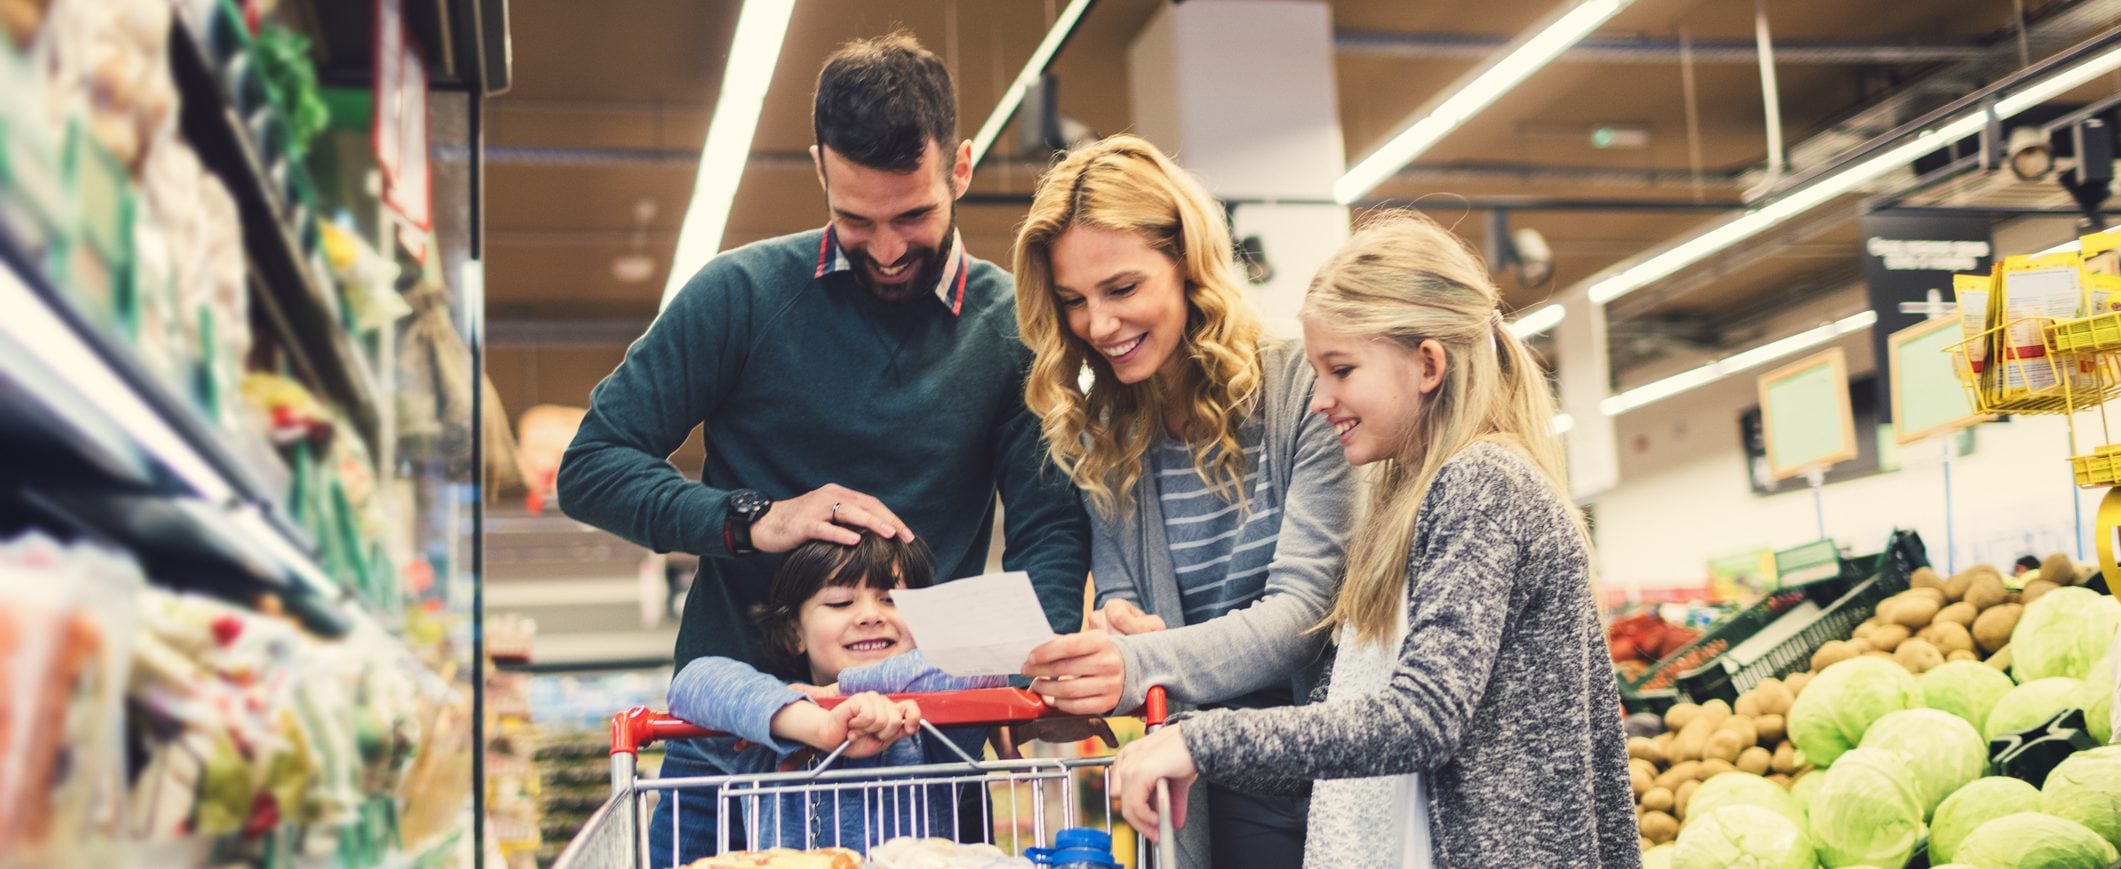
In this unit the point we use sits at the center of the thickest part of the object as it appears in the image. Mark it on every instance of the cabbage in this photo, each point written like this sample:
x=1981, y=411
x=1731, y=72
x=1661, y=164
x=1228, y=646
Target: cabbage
x=2097, y=701
x=1743, y=789
x=1742, y=836
x=1979, y=803
x=1803, y=789
x=1866, y=812
x=1659, y=857
x=2031, y=703
x=1968, y=689
x=2063, y=633
x=1842, y=701
x=1939, y=751
x=2030, y=840
x=2086, y=787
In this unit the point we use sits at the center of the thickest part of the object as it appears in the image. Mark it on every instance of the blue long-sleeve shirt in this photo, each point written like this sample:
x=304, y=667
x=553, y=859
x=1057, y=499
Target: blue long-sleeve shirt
x=801, y=378
x=732, y=697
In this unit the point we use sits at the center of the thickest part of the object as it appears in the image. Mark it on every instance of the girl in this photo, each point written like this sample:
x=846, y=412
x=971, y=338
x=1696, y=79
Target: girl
x=1218, y=507
x=829, y=627
x=1470, y=715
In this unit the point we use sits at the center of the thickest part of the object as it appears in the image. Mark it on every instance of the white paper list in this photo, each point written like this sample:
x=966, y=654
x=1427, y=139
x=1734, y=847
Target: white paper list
x=981, y=626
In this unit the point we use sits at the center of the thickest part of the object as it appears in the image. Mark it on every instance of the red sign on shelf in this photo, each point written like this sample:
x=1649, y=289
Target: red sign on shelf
x=400, y=134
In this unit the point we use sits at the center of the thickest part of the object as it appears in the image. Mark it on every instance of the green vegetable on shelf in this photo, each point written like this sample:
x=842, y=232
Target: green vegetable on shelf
x=282, y=58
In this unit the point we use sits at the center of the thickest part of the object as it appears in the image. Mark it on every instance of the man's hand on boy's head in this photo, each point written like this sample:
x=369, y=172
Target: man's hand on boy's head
x=831, y=512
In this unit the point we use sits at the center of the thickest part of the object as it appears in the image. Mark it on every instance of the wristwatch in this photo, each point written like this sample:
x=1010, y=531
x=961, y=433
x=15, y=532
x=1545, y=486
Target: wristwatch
x=745, y=507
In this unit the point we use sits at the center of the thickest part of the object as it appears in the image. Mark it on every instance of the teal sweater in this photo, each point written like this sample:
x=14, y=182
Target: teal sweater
x=803, y=380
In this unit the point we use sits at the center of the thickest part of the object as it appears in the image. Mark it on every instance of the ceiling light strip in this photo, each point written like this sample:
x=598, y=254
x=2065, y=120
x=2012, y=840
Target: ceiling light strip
x=1056, y=36
x=1695, y=378
x=1510, y=66
x=753, y=52
x=1537, y=321
x=1629, y=277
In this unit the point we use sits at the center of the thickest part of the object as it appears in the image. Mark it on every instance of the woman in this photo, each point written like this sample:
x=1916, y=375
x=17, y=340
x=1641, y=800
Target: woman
x=1470, y=715
x=1218, y=505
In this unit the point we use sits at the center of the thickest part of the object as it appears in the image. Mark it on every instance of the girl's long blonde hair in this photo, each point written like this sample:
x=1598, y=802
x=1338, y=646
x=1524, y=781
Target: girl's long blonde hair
x=1404, y=279
x=1098, y=437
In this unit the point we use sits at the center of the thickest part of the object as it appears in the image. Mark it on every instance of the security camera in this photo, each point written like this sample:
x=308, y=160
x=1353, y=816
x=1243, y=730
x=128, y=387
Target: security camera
x=2028, y=154
x=1535, y=258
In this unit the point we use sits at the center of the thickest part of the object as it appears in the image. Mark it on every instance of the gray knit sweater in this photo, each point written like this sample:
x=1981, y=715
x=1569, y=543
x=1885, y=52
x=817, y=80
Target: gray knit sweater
x=1503, y=700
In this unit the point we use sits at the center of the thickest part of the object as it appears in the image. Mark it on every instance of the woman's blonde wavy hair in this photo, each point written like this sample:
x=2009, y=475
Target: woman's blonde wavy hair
x=1404, y=279
x=1098, y=437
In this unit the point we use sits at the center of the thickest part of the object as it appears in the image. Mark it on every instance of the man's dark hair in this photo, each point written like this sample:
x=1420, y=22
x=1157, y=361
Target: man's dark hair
x=881, y=563
x=881, y=100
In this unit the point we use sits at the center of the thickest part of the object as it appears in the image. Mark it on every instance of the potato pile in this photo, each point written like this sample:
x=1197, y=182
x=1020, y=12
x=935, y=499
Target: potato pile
x=1968, y=617
x=1703, y=740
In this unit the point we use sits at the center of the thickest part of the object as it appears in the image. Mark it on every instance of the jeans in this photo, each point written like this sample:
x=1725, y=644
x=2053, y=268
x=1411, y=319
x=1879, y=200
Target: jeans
x=1249, y=830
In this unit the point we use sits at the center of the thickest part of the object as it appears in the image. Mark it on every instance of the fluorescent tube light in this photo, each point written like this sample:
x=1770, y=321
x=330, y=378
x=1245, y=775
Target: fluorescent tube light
x=1539, y=320
x=1659, y=390
x=1514, y=63
x=1631, y=277
x=1033, y=71
x=752, y=55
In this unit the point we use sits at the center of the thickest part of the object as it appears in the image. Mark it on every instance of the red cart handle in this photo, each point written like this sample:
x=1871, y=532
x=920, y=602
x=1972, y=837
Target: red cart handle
x=640, y=726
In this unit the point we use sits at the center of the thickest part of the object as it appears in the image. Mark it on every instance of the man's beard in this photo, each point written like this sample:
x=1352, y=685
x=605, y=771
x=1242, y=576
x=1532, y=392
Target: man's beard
x=927, y=271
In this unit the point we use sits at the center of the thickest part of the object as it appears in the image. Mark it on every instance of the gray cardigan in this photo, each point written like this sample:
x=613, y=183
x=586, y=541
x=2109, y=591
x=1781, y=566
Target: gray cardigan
x=1255, y=647
x=1503, y=699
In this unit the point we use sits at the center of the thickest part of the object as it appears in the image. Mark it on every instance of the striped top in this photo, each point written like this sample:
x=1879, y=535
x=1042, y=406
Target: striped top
x=1219, y=553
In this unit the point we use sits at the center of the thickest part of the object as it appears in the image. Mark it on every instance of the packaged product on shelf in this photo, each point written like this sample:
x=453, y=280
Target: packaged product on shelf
x=1972, y=294
x=367, y=280
x=65, y=637
x=2036, y=292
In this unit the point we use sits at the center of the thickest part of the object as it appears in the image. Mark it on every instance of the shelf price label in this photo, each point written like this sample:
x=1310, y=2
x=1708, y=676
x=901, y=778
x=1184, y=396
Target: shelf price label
x=400, y=134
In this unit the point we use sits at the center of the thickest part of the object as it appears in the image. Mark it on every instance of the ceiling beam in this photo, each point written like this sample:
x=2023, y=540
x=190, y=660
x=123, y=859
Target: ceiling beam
x=1631, y=49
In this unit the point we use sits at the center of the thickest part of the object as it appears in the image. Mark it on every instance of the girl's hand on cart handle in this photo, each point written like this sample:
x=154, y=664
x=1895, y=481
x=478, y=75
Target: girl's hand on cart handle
x=1140, y=765
x=870, y=722
x=816, y=692
x=1124, y=618
x=1079, y=674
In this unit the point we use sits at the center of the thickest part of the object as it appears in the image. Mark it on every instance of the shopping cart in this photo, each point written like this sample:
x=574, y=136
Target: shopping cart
x=616, y=835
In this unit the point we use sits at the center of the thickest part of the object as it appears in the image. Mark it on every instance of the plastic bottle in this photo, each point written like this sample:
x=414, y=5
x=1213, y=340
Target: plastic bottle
x=1076, y=848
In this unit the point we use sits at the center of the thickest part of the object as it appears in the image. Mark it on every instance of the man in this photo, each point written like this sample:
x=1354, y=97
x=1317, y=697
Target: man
x=866, y=375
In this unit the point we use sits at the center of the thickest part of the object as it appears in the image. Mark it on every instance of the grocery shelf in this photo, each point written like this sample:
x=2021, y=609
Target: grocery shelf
x=293, y=299
x=120, y=453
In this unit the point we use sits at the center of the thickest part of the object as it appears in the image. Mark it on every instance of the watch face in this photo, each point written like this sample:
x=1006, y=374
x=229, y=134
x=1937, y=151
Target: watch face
x=747, y=503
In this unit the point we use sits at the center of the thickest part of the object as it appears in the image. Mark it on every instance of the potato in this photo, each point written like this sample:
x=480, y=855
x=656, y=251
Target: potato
x=1646, y=749
x=1716, y=711
x=1961, y=614
x=1796, y=682
x=2001, y=660
x=1784, y=759
x=1691, y=740
x=1962, y=655
x=1659, y=827
x=1682, y=796
x=1635, y=763
x=1686, y=770
x=1883, y=612
x=1641, y=841
x=1769, y=729
x=1833, y=652
x=1883, y=656
x=1951, y=637
x=2036, y=588
x=1723, y=745
x=1748, y=705
x=1955, y=586
x=1664, y=744
x=1641, y=781
x=2060, y=570
x=1713, y=768
x=1748, y=733
x=1985, y=588
x=1934, y=595
x=1658, y=800
x=1864, y=631
x=1992, y=629
x=1775, y=696
x=1782, y=781
x=1915, y=612
x=1755, y=760
x=1925, y=577
x=1677, y=717
x=1888, y=637
x=1918, y=656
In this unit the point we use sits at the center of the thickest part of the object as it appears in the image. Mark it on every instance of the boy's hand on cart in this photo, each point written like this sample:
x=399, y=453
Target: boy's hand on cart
x=1080, y=674
x=1140, y=765
x=870, y=722
x=1123, y=618
x=816, y=692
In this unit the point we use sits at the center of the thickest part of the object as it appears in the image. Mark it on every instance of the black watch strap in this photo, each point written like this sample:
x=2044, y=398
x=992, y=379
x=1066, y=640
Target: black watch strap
x=745, y=508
